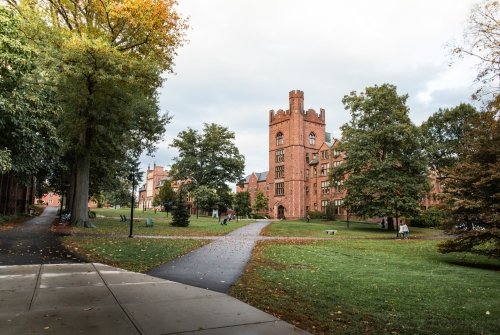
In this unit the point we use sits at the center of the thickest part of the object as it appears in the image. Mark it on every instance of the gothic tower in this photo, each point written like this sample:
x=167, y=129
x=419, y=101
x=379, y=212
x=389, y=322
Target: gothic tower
x=295, y=137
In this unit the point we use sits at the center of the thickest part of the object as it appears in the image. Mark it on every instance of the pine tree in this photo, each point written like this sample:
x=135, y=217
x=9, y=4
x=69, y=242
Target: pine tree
x=180, y=215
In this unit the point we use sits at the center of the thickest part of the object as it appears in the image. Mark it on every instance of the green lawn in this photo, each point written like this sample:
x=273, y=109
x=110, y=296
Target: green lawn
x=373, y=287
x=355, y=230
x=108, y=222
x=132, y=254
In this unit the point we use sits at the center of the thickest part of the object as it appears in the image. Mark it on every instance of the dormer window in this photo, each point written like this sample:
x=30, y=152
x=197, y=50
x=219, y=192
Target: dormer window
x=312, y=138
x=279, y=138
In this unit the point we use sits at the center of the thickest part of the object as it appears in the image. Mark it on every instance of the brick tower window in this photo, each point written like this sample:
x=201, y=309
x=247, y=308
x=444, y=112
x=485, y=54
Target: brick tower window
x=279, y=138
x=280, y=155
x=279, y=189
x=280, y=172
x=312, y=138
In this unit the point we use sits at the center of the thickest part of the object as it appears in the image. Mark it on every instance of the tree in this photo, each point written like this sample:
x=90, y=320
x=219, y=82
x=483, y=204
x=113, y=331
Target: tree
x=180, y=214
x=471, y=192
x=206, y=198
x=482, y=41
x=242, y=204
x=211, y=158
x=261, y=201
x=444, y=136
x=29, y=143
x=104, y=60
x=385, y=170
x=166, y=196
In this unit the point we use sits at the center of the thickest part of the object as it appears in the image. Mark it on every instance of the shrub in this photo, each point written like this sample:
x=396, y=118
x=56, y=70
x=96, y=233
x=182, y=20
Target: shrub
x=316, y=215
x=431, y=217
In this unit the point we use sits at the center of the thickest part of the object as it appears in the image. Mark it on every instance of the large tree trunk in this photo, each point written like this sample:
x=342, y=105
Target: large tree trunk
x=80, y=215
x=390, y=223
x=70, y=197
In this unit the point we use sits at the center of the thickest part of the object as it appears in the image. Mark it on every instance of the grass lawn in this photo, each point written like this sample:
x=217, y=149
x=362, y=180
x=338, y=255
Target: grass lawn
x=133, y=254
x=355, y=230
x=108, y=222
x=355, y=286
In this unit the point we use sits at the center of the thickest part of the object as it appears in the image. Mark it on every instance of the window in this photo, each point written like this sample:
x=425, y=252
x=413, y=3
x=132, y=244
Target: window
x=325, y=154
x=307, y=173
x=324, y=205
x=339, y=185
x=279, y=188
x=312, y=138
x=279, y=172
x=307, y=190
x=325, y=187
x=337, y=163
x=315, y=206
x=324, y=169
x=336, y=152
x=315, y=186
x=307, y=157
x=338, y=203
x=315, y=172
x=279, y=138
x=280, y=155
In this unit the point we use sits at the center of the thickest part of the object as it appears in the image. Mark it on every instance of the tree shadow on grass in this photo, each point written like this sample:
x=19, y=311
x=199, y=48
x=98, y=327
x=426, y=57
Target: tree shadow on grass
x=475, y=265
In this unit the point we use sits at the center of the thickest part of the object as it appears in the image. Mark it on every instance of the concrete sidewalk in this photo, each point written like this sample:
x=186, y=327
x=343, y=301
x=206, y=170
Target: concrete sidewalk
x=100, y=299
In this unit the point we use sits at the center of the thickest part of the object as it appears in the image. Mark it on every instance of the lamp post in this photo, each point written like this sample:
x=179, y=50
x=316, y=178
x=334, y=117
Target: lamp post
x=132, y=177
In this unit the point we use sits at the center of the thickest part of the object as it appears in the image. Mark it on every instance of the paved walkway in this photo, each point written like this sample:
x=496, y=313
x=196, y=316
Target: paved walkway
x=91, y=298
x=33, y=243
x=217, y=265
x=98, y=299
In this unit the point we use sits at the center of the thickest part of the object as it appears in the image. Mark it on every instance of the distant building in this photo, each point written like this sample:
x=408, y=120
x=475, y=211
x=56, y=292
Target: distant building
x=300, y=158
x=154, y=181
x=50, y=199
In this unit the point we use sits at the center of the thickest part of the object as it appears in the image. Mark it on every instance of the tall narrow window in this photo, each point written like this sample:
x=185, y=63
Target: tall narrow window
x=307, y=173
x=307, y=158
x=279, y=188
x=279, y=171
x=279, y=138
x=280, y=155
x=312, y=138
x=325, y=187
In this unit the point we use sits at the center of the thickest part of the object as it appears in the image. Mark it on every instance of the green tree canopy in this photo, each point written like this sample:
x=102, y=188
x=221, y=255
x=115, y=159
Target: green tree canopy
x=242, y=204
x=444, y=135
x=29, y=144
x=104, y=60
x=166, y=196
x=472, y=195
x=385, y=170
x=206, y=198
x=210, y=158
x=260, y=201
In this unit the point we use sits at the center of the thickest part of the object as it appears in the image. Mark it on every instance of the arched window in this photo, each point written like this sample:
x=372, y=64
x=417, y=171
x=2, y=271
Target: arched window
x=279, y=138
x=312, y=138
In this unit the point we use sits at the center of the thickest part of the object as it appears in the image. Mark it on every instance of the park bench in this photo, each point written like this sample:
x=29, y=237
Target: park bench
x=149, y=222
x=331, y=232
x=123, y=218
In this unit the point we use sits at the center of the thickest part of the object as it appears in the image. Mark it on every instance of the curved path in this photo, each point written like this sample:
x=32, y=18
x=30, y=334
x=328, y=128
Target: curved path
x=32, y=242
x=217, y=265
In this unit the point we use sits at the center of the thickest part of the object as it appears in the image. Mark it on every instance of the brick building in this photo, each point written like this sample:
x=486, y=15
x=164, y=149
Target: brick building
x=154, y=181
x=300, y=157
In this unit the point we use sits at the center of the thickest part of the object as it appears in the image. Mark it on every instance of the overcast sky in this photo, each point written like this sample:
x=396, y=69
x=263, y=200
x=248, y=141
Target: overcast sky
x=243, y=57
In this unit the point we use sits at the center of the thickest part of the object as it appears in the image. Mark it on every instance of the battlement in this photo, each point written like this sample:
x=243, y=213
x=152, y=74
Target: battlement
x=296, y=107
x=298, y=94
